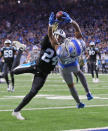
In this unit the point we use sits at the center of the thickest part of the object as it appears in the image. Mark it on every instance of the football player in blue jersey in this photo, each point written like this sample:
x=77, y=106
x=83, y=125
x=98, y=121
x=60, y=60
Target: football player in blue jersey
x=68, y=50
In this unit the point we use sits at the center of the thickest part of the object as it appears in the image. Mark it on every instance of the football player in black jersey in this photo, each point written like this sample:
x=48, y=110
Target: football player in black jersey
x=8, y=52
x=44, y=65
x=92, y=58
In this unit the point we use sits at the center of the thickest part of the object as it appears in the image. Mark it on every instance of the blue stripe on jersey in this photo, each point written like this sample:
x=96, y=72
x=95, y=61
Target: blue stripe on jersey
x=75, y=63
x=78, y=49
x=70, y=49
x=59, y=51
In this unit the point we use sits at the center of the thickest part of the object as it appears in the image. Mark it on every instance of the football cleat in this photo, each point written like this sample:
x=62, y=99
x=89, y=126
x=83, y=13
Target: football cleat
x=89, y=96
x=63, y=81
x=12, y=90
x=19, y=45
x=9, y=88
x=97, y=80
x=93, y=80
x=18, y=115
x=80, y=105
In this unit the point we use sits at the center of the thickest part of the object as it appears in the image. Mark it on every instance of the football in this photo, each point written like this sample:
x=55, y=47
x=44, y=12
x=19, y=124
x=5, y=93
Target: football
x=78, y=35
x=59, y=15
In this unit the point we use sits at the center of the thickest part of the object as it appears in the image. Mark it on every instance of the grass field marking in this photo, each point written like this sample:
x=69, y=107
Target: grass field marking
x=67, y=89
x=54, y=97
x=70, y=97
x=57, y=74
x=90, y=129
x=60, y=80
x=105, y=86
x=65, y=86
x=53, y=108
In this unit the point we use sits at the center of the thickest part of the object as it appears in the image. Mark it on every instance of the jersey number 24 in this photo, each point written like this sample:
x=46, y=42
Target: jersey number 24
x=48, y=56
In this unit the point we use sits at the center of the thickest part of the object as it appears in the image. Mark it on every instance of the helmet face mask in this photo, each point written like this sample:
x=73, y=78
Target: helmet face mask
x=92, y=44
x=7, y=42
x=59, y=36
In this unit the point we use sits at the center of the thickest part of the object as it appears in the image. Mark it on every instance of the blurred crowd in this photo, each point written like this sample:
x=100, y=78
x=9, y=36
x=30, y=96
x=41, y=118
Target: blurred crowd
x=28, y=22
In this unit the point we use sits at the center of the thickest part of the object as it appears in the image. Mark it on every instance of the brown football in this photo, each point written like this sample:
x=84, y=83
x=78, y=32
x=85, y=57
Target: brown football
x=59, y=15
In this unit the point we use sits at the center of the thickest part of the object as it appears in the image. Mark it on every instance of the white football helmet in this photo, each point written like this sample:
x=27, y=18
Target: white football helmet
x=7, y=41
x=92, y=43
x=35, y=47
x=60, y=32
x=59, y=35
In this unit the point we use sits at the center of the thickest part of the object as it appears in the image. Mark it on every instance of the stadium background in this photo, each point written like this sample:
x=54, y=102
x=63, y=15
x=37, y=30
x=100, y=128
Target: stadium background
x=54, y=109
x=27, y=21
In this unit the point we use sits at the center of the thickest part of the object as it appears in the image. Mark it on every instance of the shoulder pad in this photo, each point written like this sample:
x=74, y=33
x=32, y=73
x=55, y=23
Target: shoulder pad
x=58, y=51
x=96, y=49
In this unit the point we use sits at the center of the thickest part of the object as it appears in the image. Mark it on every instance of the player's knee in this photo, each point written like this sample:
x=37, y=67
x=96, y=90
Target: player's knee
x=79, y=73
x=35, y=90
x=14, y=71
x=32, y=94
x=71, y=85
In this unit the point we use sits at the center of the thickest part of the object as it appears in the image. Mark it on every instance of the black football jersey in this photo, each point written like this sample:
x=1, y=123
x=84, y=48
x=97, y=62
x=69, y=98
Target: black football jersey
x=48, y=58
x=8, y=53
x=93, y=53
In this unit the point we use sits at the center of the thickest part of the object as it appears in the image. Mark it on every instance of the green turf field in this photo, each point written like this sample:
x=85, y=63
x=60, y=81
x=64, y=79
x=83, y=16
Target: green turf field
x=53, y=109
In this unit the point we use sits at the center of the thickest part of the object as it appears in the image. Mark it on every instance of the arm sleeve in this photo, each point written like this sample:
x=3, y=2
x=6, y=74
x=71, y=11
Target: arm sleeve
x=44, y=42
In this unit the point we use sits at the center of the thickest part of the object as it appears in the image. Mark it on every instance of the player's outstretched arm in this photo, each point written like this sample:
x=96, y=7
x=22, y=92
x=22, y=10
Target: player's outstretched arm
x=68, y=19
x=78, y=33
x=50, y=31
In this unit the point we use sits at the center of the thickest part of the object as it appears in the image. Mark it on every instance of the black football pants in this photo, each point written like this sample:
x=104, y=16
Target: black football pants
x=93, y=68
x=38, y=81
x=7, y=67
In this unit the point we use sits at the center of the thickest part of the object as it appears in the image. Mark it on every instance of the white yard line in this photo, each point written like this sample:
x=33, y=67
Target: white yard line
x=55, y=97
x=52, y=108
x=89, y=129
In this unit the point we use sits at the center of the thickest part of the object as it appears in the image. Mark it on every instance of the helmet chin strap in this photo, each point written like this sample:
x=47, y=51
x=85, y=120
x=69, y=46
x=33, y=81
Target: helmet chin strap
x=56, y=37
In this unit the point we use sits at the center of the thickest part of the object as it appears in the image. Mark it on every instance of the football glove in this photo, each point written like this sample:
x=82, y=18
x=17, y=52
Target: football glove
x=66, y=18
x=51, y=19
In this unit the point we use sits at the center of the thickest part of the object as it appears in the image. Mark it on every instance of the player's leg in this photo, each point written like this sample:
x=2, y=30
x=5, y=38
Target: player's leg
x=67, y=76
x=20, y=69
x=85, y=84
x=13, y=81
x=20, y=47
x=96, y=71
x=24, y=68
x=37, y=84
x=2, y=75
x=17, y=59
x=5, y=74
x=12, y=77
x=76, y=77
x=92, y=71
